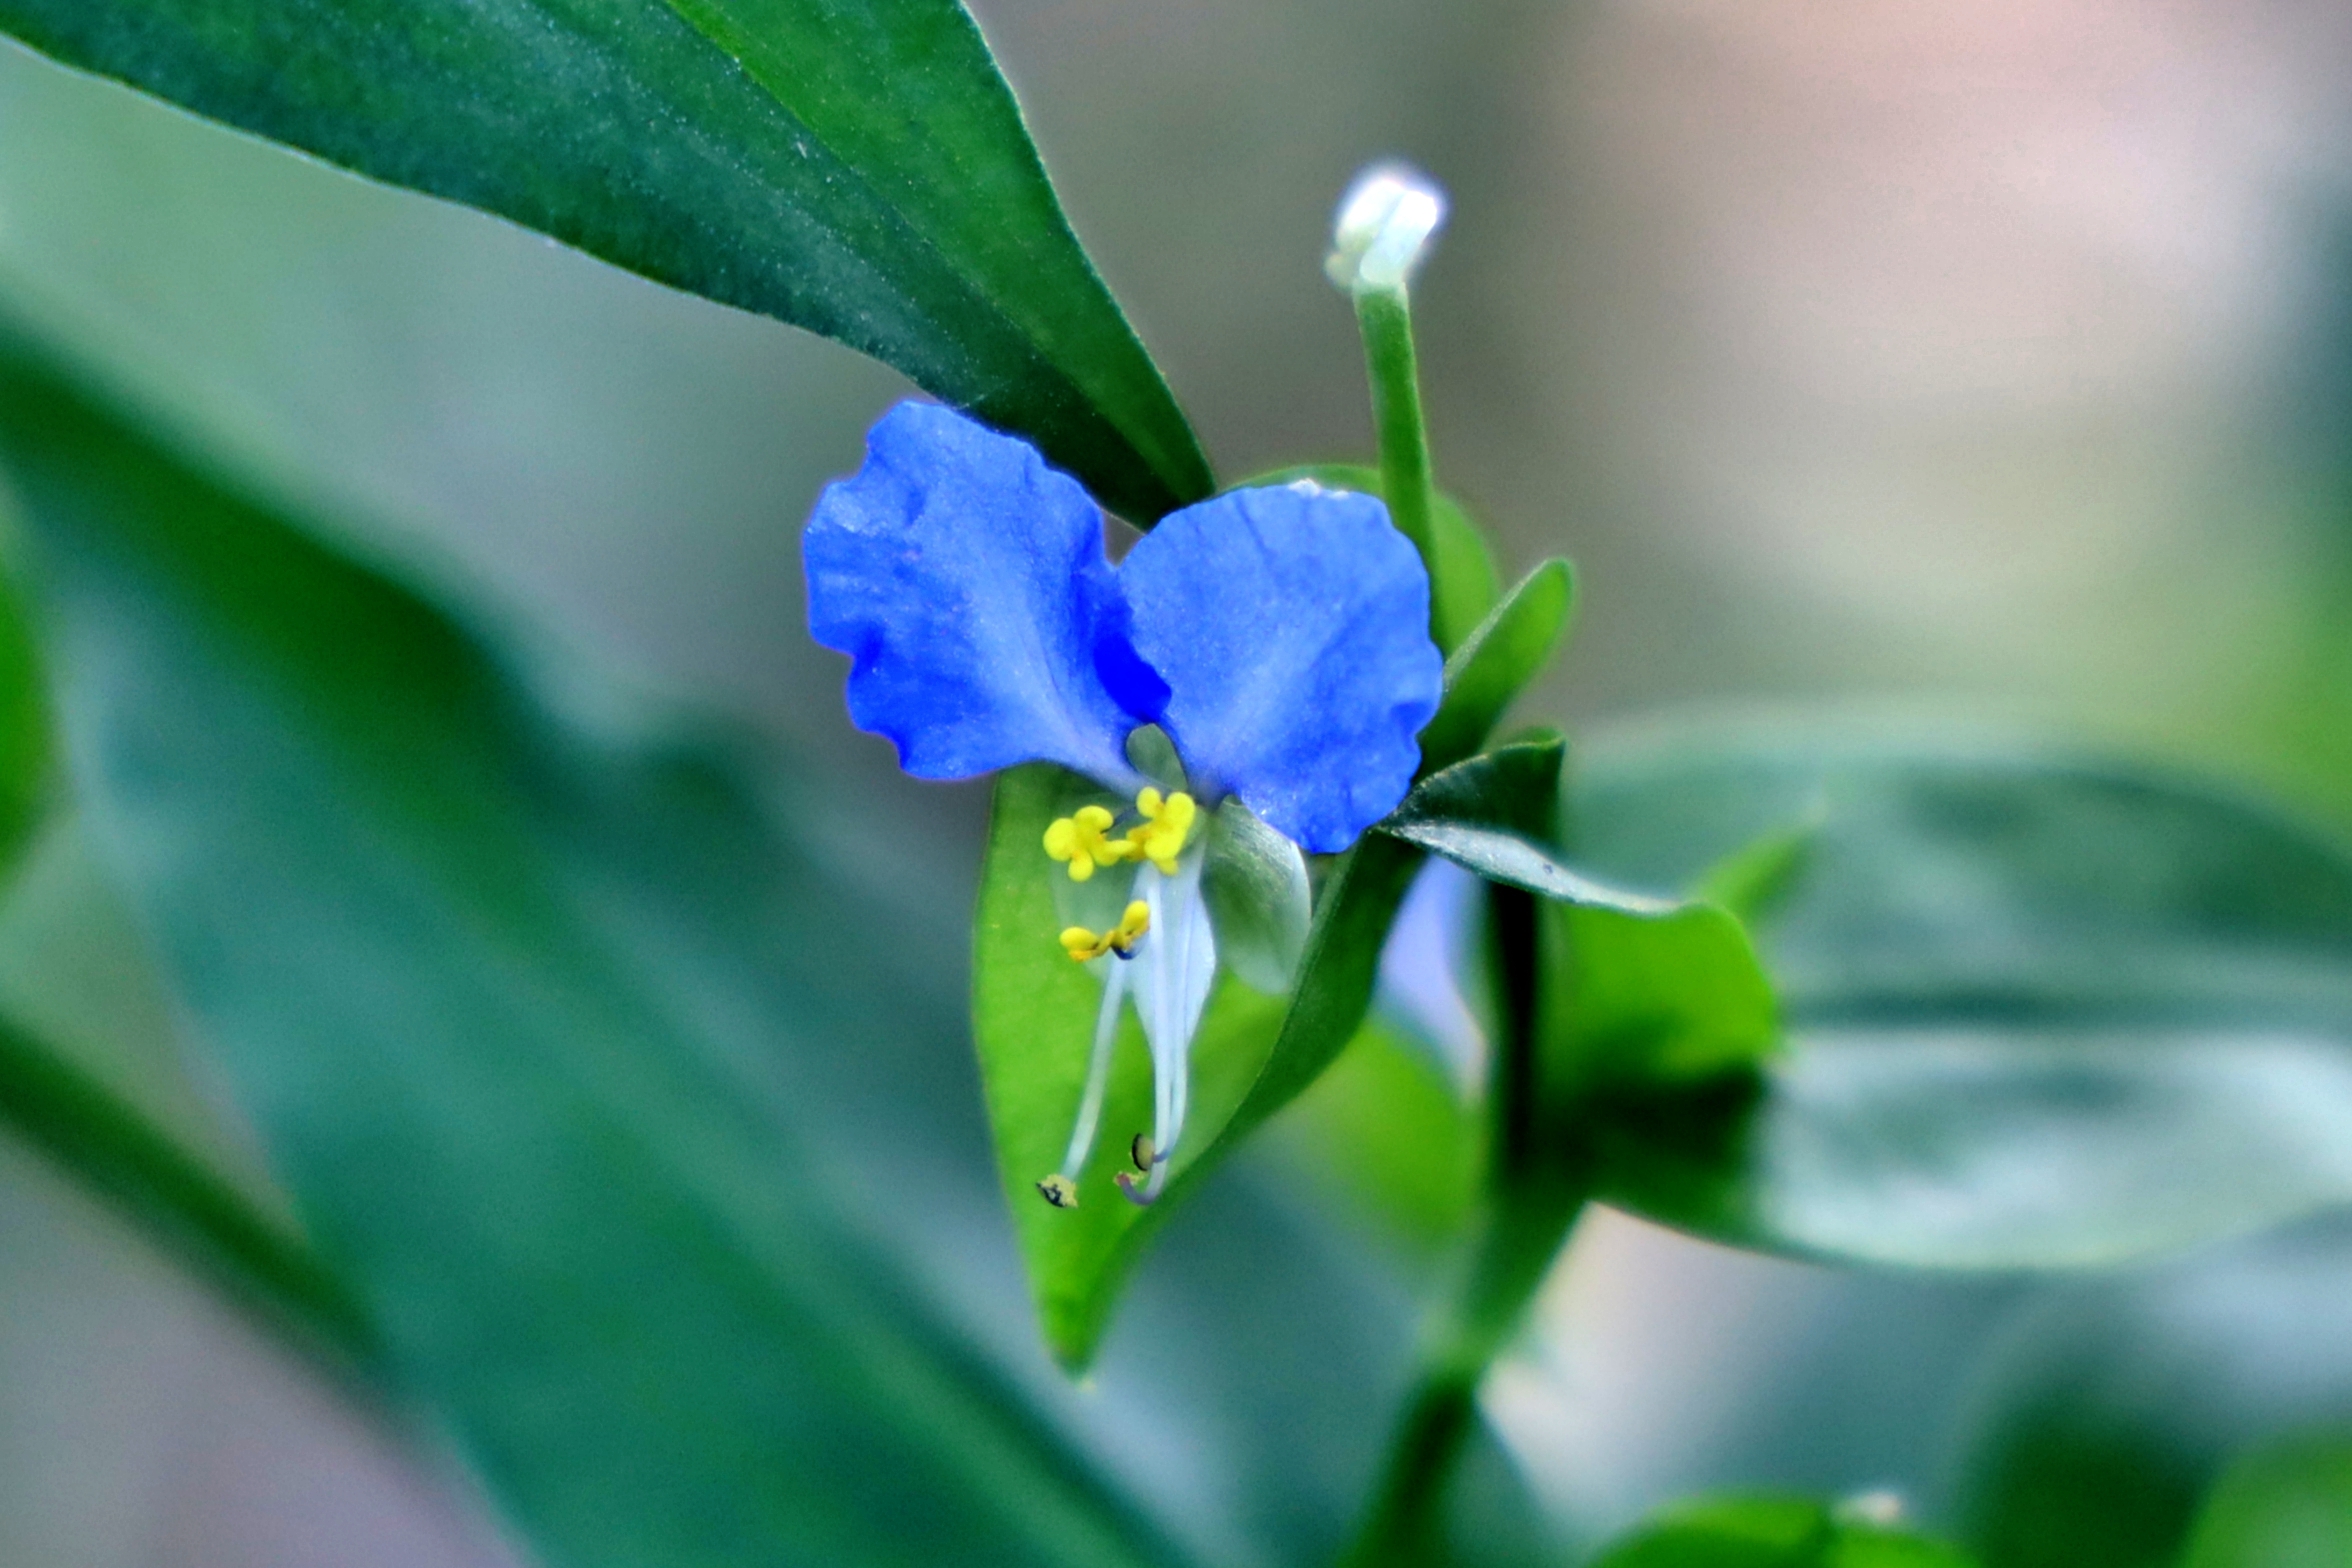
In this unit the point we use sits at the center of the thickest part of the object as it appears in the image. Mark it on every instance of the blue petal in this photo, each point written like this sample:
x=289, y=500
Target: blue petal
x=1291, y=625
x=1135, y=684
x=966, y=581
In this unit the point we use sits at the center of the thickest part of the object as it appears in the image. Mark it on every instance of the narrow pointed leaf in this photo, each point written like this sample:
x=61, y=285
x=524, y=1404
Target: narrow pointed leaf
x=1499, y=657
x=1635, y=988
x=858, y=169
x=546, y=1036
x=1597, y=991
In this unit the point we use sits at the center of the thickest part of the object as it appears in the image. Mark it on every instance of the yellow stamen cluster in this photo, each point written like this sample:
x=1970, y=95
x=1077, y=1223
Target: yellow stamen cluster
x=1166, y=824
x=1082, y=944
x=1084, y=839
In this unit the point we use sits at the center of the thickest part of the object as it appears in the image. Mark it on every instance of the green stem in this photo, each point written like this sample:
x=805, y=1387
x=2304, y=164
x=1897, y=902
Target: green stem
x=1404, y=1526
x=1534, y=1194
x=1385, y=317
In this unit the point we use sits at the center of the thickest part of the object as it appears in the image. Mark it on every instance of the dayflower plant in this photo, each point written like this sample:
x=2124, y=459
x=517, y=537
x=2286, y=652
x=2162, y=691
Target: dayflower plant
x=1277, y=638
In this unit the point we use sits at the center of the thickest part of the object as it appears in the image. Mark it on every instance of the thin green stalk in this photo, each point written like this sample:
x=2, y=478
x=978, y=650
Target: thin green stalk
x=1405, y=1523
x=1534, y=1191
x=1385, y=317
x=59, y=1109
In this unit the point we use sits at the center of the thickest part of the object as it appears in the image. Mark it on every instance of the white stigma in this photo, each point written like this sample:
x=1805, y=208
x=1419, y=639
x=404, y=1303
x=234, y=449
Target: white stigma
x=1383, y=228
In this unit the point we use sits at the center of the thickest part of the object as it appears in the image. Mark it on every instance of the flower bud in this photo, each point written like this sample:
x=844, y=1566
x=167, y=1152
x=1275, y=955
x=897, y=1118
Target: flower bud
x=1383, y=228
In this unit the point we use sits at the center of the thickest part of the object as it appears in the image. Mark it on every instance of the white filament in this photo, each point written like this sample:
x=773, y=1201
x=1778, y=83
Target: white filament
x=1176, y=966
x=1098, y=1072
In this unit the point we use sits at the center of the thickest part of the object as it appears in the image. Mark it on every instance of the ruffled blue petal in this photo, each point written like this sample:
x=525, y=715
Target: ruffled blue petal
x=966, y=581
x=1291, y=625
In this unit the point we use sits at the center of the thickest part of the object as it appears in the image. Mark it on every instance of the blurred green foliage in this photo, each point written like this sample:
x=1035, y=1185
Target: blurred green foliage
x=2288, y=1504
x=1773, y=1532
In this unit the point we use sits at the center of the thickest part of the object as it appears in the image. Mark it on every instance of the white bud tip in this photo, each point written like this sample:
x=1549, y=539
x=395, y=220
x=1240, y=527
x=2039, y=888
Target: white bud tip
x=1383, y=228
x=1884, y=1509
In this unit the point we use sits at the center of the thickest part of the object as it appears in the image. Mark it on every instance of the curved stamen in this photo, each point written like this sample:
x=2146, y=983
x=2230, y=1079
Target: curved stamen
x=1061, y=1188
x=1084, y=946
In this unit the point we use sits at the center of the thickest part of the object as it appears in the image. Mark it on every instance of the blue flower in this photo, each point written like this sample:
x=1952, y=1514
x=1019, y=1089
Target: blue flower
x=1278, y=636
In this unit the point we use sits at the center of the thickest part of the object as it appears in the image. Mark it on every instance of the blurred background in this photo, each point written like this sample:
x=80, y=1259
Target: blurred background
x=1993, y=361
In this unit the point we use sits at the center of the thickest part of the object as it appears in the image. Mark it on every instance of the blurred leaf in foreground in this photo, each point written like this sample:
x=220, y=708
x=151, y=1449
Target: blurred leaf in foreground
x=2111, y=1406
x=2042, y=1012
x=52, y=1104
x=100, y=1098
x=27, y=766
x=528, y=1022
x=2285, y=1505
x=857, y=169
x=1774, y=1532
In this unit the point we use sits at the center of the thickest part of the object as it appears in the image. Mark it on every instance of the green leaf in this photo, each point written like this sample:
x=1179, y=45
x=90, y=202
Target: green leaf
x=1636, y=1000
x=66, y=1108
x=1463, y=585
x=860, y=170
x=1773, y=1532
x=1499, y=657
x=1313, y=1439
x=2112, y=1405
x=1033, y=1017
x=2043, y=1012
x=1512, y=790
x=2288, y=1505
x=1634, y=989
x=551, y=1039
x=27, y=763
x=1251, y=1057
x=1509, y=859
x=93, y=1076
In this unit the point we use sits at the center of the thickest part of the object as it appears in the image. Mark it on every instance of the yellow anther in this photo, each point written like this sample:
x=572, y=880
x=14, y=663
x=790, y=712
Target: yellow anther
x=1059, y=1190
x=1082, y=944
x=1159, y=837
x=1083, y=841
